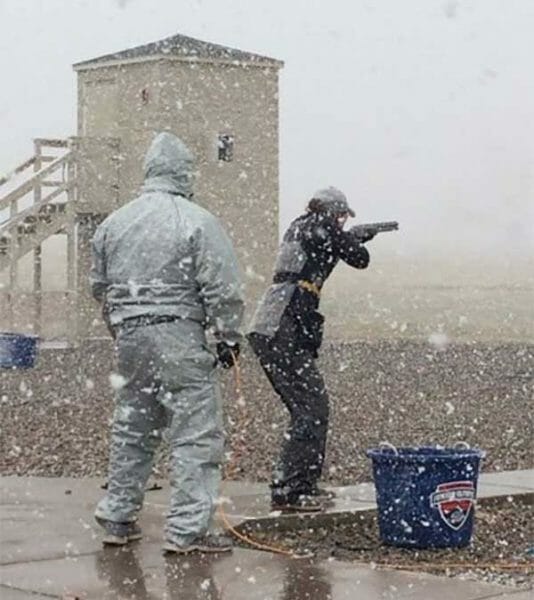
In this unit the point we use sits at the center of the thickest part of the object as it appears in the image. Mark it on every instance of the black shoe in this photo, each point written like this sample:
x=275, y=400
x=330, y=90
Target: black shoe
x=320, y=492
x=209, y=544
x=303, y=503
x=119, y=534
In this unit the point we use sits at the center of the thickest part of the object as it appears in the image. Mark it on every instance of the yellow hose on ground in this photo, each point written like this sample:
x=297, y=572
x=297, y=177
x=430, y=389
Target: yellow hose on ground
x=237, y=452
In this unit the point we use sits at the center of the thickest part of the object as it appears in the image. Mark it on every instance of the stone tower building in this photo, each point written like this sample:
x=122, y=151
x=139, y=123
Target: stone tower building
x=223, y=103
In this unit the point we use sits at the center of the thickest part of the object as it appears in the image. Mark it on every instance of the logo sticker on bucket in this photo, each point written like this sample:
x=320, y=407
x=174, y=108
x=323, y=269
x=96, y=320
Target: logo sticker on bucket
x=454, y=501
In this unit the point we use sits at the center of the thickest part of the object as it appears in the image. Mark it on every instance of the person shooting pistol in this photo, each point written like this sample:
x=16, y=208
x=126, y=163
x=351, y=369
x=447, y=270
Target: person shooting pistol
x=286, y=334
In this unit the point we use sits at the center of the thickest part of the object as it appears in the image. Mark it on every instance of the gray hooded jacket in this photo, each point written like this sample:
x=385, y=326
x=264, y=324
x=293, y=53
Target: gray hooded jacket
x=163, y=255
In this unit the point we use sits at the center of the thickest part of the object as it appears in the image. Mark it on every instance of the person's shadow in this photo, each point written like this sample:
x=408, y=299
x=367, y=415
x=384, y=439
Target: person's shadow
x=187, y=577
x=119, y=568
x=191, y=577
x=305, y=580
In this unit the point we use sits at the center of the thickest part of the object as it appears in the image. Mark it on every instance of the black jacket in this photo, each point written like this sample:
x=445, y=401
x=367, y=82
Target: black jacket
x=311, y=248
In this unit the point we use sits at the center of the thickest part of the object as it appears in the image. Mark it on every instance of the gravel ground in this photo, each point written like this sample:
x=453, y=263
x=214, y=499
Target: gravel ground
x=503, y=536
x=55, y=418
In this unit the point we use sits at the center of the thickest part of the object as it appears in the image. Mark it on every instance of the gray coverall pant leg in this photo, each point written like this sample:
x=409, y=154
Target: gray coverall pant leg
x=169, y=380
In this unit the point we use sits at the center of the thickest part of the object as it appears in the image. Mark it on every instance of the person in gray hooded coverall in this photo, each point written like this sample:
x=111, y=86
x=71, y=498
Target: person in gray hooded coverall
x=286, y=335
x=165, y=272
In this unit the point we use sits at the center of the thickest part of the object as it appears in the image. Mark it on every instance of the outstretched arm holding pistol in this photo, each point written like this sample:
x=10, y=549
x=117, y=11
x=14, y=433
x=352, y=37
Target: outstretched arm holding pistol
x=367, y=231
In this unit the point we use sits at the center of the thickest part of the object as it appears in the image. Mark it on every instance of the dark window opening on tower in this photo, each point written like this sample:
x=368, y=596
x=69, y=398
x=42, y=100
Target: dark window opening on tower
x=225, y=147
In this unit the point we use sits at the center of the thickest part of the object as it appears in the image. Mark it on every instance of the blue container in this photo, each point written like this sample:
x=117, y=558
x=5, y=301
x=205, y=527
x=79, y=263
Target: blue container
x=426, y=496
x=18, y=351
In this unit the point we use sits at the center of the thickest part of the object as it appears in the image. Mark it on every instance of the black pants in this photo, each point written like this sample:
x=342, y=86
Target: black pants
x=295, y=377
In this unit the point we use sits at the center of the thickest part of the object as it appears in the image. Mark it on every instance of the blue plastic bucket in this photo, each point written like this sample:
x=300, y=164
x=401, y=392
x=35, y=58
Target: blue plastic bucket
x=426, y=495
x=18, y=351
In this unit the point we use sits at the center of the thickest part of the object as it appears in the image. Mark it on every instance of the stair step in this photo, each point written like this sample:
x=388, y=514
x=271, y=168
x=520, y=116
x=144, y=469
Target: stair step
x=4, y=245
x=26, y=228
x=53, y=207
x=46, y=211
x=29, y=224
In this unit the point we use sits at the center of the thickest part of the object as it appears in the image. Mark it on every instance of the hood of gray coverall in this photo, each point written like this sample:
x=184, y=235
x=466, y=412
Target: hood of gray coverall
x=169, y=166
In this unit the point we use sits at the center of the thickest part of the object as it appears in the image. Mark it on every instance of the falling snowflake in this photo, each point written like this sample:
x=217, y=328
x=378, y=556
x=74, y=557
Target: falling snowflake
x=439, y=340
x=117, y=381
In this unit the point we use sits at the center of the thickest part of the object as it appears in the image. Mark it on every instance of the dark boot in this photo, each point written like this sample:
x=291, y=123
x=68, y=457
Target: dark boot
x=119, y=534
x=296, y=503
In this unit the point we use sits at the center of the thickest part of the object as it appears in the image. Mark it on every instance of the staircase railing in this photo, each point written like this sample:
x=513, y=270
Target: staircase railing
x=28, y=186
x=37, y=159
x=27, y=226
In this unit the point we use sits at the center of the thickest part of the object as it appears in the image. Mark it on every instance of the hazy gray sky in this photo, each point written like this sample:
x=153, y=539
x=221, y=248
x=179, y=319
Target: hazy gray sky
x=420, y=110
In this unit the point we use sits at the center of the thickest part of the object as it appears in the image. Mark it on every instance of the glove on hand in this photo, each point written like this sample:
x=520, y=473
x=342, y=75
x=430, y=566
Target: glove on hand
x=363, y=235
x=227, y=354
x=105, y=317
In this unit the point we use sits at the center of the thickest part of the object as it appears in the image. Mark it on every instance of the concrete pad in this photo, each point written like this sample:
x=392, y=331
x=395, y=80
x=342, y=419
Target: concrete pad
x=11, y=594
x=246, y=506
x=141, y=572
x=515, y=595
x=45, y=518
x=50, y=547
x=248, y=511
x=523, y=479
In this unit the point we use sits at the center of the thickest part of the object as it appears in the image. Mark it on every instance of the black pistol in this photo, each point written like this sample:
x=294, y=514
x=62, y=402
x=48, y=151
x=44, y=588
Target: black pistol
x=367, y=231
